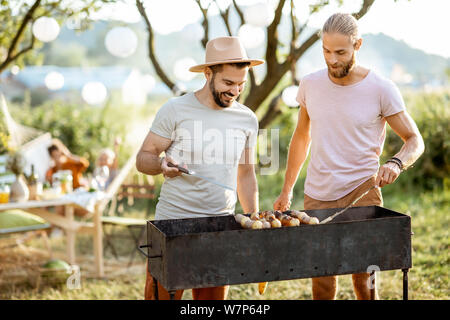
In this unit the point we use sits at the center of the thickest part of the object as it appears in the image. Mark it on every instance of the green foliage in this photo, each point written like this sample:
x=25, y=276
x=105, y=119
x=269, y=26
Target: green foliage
x=4, y=142
x=15, y=163
x=431, y=112
x=83, y=129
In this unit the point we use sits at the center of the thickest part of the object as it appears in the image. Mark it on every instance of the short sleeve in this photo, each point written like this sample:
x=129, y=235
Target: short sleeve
x=391, y=100
x=301, y=99
x=253, y=133
x=164, y=122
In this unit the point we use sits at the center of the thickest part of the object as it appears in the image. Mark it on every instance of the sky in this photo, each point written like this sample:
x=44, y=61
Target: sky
x=420, y=23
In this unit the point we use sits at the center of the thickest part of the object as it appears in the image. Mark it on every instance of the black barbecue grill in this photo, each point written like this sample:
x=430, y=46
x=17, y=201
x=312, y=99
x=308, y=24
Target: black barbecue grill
x=215, y=251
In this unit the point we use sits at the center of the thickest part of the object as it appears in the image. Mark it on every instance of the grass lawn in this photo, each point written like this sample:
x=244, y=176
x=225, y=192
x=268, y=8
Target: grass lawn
x=428, y=279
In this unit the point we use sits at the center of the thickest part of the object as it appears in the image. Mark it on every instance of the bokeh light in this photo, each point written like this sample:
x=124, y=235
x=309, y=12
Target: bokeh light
x=54, y=80
x=259, y=15
x=289, y=96
x=46, y=29
x=121, y=42
x=94, y=93
x=251, y=37
x=181, y=69
x=136, y=88
x=193, y=32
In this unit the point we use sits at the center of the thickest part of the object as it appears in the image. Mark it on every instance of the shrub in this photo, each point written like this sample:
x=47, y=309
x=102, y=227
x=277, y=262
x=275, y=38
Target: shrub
x=85, y=130
x=431, y=112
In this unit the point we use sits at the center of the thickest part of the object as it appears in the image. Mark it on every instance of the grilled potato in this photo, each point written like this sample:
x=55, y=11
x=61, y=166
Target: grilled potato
x=266, y=224
x=238, y=217
x=257, y=225
x=274, y=222
x=244, y=220
x=314, y=220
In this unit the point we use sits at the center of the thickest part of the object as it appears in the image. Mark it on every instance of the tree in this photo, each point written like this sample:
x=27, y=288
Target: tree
x=277, y=66
x=17, y=41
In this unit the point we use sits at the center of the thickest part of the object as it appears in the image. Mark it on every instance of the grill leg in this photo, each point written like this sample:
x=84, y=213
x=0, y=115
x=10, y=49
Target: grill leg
x=405, y=284
x=373, y=287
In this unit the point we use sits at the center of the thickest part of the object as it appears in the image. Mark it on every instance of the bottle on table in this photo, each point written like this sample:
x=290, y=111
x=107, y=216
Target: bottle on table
x=34, y=185
x=4, y=193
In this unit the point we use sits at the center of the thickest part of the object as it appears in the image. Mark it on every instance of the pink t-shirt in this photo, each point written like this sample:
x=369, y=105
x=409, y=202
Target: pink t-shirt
x=348, y=129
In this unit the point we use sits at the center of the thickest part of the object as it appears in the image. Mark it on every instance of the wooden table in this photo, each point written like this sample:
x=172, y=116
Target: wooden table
x=67, y=222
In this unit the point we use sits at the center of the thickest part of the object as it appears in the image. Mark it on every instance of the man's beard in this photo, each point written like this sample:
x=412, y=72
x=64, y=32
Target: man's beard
x=344, y=69
x=217, y=95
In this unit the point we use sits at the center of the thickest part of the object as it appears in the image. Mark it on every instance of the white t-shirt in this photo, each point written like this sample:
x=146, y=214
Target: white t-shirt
x=210, y=142
x=348, y=130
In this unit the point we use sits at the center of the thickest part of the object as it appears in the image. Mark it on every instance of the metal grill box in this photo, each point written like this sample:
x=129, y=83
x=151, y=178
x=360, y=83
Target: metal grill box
x=206, y=252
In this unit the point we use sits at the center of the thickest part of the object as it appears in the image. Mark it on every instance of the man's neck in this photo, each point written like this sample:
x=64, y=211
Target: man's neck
x=205, y=97
x=355, y=75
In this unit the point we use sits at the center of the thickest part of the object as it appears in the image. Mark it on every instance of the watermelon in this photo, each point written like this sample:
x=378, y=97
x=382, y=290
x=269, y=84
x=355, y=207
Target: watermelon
x=56, y=264
x=55, y=272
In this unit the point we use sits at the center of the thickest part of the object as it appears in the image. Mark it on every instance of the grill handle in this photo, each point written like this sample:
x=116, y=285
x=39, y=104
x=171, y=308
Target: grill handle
x=145, y=253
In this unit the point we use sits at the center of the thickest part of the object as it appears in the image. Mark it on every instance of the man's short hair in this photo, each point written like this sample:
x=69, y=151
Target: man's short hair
x=219, y=67
x=52, y=148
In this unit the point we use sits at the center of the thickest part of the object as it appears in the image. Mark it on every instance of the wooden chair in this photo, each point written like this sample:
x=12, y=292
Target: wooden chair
x=15, y=222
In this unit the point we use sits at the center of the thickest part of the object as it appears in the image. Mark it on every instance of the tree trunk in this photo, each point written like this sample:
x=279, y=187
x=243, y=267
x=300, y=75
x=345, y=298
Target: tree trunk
x=258, y=94
x=273, y=111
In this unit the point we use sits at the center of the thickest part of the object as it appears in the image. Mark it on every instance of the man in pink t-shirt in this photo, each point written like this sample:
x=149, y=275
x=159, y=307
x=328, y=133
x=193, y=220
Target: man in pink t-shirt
x=343, y=114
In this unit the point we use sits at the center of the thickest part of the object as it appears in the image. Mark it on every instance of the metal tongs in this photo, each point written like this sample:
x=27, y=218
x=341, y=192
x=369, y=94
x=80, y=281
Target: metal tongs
x=346, y=208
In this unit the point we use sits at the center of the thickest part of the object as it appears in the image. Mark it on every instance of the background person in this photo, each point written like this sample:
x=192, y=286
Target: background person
x=63, y=159
x=108, y=158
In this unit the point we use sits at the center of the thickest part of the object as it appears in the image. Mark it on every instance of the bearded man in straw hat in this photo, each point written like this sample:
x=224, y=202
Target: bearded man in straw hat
x=209, y=132
x=344, y=109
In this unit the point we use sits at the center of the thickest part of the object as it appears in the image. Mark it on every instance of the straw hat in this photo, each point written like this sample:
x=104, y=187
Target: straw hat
x=225, y=50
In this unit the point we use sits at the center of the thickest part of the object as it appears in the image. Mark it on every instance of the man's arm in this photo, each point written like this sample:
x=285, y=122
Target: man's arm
x=117, y=143
x=298, y=151
x=247, y=185
x=148, y=160
x=413, y=147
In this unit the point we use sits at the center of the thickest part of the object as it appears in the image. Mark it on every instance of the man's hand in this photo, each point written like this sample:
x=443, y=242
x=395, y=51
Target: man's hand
x=283, y=202
x=387, y=174
x=170, y=172
x=117, y=142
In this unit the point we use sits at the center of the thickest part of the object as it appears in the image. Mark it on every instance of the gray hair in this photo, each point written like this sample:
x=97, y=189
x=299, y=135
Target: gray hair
x=342, y=23
x=108, y=152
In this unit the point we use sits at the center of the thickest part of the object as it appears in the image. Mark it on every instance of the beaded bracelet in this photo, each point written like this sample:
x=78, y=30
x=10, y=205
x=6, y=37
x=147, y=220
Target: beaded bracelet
x=393, y=161
x=400, y=161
